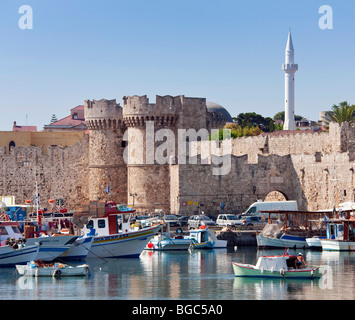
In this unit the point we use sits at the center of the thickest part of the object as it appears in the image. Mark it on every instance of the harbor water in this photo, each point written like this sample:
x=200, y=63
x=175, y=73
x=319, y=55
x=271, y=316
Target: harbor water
x=196, y=275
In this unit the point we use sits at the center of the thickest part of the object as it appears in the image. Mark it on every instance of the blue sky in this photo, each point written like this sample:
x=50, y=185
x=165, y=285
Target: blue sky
x=227, y=51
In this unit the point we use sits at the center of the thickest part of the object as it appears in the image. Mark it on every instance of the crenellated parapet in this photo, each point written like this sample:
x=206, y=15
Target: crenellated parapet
x=137, y=111
x=103, y=115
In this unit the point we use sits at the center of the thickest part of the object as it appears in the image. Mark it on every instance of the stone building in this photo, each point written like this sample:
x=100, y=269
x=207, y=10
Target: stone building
x=132, y=154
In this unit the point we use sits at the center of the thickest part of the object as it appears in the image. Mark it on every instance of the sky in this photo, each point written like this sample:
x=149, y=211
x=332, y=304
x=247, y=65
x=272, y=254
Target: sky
x=227, y=51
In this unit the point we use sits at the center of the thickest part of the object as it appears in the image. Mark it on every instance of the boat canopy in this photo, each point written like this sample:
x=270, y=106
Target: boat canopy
x=272, y=263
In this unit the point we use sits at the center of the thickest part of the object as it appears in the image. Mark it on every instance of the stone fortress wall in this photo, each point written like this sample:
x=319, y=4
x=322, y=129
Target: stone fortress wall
x=316, y=169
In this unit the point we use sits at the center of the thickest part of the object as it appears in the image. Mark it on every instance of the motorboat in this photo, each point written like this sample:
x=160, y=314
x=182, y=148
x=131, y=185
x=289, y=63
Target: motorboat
x=163, y=241
x=79, y=249
x=283, y=266
x=115, y=234
x=51, y=247
x=285, y=240
x=39, y=269
x=10, y=256
x=200, y=239
x=339, y=235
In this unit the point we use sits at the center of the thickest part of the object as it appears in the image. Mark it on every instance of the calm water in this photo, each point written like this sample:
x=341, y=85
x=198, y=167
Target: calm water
x=206, y=275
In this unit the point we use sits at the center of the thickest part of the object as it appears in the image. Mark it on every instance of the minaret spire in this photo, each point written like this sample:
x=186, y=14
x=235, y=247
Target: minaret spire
x=290, y=69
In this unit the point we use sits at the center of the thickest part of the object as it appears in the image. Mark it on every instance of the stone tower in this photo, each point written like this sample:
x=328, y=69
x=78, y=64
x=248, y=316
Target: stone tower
x=290, y=69
x=148, y=170
x=107, y=169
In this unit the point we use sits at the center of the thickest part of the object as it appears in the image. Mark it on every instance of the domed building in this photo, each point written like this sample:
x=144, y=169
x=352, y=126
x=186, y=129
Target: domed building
x=213, y=107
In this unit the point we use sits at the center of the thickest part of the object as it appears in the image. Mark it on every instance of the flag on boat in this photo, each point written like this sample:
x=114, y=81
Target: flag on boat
x=107, y=190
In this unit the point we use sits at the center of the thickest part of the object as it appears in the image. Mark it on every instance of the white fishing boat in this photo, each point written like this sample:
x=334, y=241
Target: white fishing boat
x=10, y=256
x=339, y=235
x=163, y=241
x=51, y=247
x=115, y=237
x=200, y=239
x=38, y=269
x=275, y=267
x=285, y=240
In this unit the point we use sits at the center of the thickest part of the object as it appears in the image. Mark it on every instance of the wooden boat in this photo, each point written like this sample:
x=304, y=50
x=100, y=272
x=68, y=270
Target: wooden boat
x=10, y=256
x=339, y=235
x=275, y=267
x=115, y=235
x=39, y=269
x=285, y=240
x=163, y=241
x=200, y=239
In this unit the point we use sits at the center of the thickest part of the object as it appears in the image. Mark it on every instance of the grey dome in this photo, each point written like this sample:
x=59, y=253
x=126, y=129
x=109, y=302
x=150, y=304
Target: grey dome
x=214, y=107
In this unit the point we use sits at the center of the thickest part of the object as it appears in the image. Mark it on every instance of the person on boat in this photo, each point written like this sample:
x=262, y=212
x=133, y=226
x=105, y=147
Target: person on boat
x=300, y=262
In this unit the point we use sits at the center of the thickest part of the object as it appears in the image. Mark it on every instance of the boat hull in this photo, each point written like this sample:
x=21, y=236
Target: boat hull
x=52, y=247
x=337, y=245
x=123, y=245
x=168, y=245
x=79, y=250
x=202, y=245
x=314, y=243
x=32, y=271
x=246, y=270
x=10, y=257
x=283, y=242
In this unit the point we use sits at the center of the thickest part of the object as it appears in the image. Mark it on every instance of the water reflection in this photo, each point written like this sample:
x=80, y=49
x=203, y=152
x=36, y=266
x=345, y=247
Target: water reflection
x=204, y=274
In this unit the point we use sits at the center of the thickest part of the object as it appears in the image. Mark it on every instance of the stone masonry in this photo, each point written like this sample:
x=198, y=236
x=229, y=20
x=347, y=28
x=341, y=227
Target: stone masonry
x=316, y=169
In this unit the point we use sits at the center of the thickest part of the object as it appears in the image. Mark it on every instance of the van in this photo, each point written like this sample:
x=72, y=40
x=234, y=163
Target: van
x=256, y=207
x=226, y=220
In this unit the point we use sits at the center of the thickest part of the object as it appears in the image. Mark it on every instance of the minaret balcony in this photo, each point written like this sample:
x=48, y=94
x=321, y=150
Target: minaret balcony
x=290, y=67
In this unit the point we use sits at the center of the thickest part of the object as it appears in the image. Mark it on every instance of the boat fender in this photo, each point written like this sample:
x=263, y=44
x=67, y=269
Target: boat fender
x=272, y=269
x=262, y=269
x=282, y=272
x=312, y=272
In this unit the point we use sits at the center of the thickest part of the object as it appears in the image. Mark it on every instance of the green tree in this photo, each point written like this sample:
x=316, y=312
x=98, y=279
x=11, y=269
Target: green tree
x=343, y=112
x=252, y=119
x=281, y=116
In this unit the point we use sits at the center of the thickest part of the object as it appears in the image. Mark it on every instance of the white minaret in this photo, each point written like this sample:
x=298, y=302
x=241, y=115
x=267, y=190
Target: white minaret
x=290, y=69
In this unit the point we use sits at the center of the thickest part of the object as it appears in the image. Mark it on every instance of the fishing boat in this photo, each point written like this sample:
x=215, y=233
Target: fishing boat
x=283, y=266
x=283, y=234
x=9, y=256
x=115, y=235
x=51, y=247
x=163, y=241
x=339, y=235
x=39, y=269
x=200, y=238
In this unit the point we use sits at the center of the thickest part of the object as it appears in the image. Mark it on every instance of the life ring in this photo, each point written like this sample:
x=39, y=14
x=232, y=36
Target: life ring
x=64, y=231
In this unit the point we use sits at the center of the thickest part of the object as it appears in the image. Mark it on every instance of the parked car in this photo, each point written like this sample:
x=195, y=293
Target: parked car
x=184, y=221
x=228, y=220
x=252, y=221
x=196, y=221
x=173, y=220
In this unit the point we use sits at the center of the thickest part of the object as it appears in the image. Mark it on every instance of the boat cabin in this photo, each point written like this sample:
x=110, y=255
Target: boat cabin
x=113, y=222
x=276, y=263
x=340, y=229
x=200, y=235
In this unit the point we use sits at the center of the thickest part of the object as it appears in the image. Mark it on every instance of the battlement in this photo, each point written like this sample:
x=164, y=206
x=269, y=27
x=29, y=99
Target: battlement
x=103, y=114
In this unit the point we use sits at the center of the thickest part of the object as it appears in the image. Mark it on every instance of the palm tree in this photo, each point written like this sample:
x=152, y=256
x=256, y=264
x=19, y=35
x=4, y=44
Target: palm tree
x=342, y=113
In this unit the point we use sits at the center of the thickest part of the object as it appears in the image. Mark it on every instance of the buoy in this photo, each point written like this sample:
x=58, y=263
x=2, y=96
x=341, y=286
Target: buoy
x=150, y=245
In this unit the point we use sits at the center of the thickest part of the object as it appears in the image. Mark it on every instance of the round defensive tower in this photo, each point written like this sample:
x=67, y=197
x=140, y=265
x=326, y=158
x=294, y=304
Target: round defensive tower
x=150, y=150
x=108, y=171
